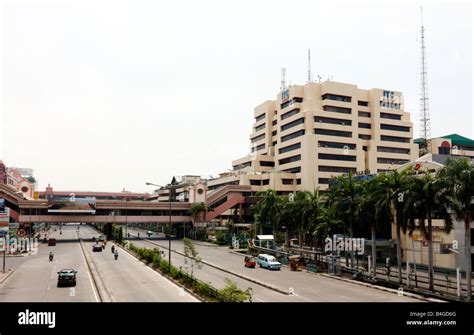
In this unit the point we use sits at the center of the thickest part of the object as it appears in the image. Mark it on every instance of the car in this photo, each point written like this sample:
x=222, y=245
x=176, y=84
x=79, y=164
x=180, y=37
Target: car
x=97, y=247
x=249, y=262
x=67, y=277
x=268, y=261
x=51, y=242
x=102, y=238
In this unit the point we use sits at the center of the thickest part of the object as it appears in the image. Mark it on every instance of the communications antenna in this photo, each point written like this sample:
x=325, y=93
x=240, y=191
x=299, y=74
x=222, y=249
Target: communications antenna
x=425, y=122
x=310, y=79
x=283, y=79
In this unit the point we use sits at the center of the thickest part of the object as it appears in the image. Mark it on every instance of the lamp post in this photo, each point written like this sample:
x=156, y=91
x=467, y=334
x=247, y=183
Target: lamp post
x=171, y=189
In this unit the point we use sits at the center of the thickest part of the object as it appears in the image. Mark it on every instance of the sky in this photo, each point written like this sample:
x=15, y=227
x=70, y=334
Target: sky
x=108, y=95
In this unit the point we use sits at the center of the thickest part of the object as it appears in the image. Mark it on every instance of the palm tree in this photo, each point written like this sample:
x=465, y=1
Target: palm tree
x=287, y=218
x=458, y=179
x=394, y=186
x=266, y=210
x=427, y=199
x=345, y=192
x=370, y=209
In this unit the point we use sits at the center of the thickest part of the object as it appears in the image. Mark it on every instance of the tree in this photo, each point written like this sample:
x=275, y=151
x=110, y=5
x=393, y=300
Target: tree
x=345, y=193
x=370, y=209
x=266, y=209
x=232, y=293
x=394, y=186
x=191, y=255
x=457, y=178
x=427, y=199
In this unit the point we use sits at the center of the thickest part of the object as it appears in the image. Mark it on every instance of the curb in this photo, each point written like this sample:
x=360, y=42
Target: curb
x=162, y=274
x=271, y=287
x=10, y=272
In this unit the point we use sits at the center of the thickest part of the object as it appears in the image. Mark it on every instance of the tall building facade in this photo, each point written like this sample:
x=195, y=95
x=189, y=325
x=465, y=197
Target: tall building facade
x=315, y=131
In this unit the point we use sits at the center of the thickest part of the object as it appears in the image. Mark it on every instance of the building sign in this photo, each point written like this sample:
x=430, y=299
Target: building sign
x=2, y=205
x=3, y=231
x=71, y=205
x=389, y=100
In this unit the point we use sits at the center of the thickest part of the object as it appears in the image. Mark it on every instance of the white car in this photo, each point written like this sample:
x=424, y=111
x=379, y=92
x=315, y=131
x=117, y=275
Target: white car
x=268, y=261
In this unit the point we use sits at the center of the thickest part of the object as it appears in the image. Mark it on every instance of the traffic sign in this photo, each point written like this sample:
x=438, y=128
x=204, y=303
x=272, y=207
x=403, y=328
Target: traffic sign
x=21, y=233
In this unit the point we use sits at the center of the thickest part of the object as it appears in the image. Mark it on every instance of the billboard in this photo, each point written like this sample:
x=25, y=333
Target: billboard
x=71, y=205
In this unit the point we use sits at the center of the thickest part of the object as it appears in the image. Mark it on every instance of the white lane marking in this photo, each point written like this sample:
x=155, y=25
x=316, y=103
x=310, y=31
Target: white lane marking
x=89, y=274
x=179, y=288
x=260, y=300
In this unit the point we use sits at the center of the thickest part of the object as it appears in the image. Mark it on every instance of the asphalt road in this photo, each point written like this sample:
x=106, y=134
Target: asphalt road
x=127, y=279
x=303, y=286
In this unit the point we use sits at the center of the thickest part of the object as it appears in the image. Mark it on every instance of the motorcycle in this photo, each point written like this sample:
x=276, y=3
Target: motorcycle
x=116, y=255
x=112, y=249
x=51, y=257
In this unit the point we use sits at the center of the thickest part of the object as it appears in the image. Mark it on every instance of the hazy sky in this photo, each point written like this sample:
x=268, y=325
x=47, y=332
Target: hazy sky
x=105, y=95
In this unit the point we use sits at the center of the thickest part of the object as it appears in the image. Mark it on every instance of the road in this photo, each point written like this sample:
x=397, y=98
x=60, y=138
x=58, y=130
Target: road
x=127, y=279
x=305, y=287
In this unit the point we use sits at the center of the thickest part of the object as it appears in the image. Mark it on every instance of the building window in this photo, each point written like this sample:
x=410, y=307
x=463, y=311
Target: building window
x=394, y=150
x=292, y=135
x=291, y=102
x=334, y=157
x=292, y=124
x=444, y=150
x=274, y=143
x=390, y=116
x=363, y=103
x=332, y=120
x=265, y=181
x=258, y=148
x=395, y=128
x=255, y=182
x=289, y=148
x=365, y=137
x=274, y=122
x=298, y=181
x=337, y=109
x=274, y=133
x=364, y=125
x=260, y=117
x=290, y=113
x=397, y=161
x=262, y=126
x=258, y=138
x=336, y=97
x=394, y=139
x=337, y=169
x=287, y=181
x=266, y=163
x=293, y=170
x=329, y=132
x=289, y=159
x=364, y=114
x=324, y=180
x=337, y=145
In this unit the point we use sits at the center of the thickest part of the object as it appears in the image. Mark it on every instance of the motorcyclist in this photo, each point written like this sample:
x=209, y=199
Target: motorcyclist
x=51, y=255
x=113, y=249
x=116, y=254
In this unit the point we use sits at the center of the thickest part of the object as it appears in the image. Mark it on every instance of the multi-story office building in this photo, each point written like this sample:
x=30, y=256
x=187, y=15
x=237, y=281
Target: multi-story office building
x=318, y=130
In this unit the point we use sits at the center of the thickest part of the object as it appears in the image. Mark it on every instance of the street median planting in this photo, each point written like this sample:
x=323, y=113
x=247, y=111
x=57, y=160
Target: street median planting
x=152, y=257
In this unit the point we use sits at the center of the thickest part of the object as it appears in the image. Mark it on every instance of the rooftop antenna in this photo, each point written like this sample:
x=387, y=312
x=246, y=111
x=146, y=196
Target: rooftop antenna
x=425, y=123
x=283, y=79
x=309, y=66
